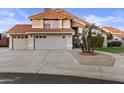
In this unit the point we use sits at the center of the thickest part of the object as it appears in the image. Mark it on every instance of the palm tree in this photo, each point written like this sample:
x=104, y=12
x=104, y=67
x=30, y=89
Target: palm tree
x=85, y=37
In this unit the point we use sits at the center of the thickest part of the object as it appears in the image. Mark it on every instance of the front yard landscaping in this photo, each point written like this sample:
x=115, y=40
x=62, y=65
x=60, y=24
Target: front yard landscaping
x=96, y=60
x=111, y=50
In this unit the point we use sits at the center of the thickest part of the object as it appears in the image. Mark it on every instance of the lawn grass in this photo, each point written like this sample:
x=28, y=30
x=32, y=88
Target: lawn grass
x=111, y=50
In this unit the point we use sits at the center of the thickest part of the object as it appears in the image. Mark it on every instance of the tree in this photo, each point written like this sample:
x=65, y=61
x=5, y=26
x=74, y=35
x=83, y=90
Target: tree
x=84, y=40
x=0, y=36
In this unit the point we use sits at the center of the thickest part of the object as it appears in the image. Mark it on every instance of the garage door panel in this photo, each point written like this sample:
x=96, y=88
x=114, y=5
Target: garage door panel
x=50, y=42
x=20, y=43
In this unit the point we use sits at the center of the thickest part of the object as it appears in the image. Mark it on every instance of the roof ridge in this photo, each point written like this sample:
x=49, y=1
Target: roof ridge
x=23, y=24
x=74, y=15
x=60, y=11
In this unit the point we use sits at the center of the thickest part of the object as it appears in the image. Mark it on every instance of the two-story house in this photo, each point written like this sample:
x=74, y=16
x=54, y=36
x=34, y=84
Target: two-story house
x=52, y=29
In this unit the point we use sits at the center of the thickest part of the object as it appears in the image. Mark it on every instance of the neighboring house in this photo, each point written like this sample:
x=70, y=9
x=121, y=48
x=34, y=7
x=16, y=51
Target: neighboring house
x=52, y=29
x=117, y=34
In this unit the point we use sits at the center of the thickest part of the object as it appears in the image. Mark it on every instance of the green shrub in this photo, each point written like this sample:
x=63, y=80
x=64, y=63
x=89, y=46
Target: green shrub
x=97, y=41
x=114, y=44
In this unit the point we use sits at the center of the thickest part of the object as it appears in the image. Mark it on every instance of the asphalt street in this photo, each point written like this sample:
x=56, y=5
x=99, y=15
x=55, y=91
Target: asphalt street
x=17, y=78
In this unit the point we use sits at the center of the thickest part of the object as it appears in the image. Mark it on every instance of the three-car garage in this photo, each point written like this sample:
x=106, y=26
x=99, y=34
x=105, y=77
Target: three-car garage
x=39, y=42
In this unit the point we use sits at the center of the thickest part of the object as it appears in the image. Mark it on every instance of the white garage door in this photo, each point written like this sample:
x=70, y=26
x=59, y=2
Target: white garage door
x=20, y=42
x=50, y=42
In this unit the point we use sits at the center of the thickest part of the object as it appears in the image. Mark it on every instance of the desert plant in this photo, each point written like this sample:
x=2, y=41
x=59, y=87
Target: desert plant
x=85, y=38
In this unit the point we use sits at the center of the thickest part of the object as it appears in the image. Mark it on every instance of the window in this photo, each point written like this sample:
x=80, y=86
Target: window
x=47, y=24
x=63, y=37
x=40, y=37
x=14, y=37
x=22, y=37
x=51, y=23
x=44, y=36
x=55, y=24
x=26, y=36
x=36, y=36
x=18, y=36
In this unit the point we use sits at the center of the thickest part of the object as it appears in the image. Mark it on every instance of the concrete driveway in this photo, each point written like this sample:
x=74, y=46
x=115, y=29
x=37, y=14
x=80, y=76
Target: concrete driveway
x=33, y=61
x=58, y=62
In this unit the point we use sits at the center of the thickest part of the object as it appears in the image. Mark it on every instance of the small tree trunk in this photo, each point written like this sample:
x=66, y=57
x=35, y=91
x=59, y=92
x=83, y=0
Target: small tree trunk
x=89, y=43
x=84, y=43
x=82, y=48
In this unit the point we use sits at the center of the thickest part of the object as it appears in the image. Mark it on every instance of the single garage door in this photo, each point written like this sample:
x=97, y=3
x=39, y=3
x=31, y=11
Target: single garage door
x=50, y=42
x=20, y=42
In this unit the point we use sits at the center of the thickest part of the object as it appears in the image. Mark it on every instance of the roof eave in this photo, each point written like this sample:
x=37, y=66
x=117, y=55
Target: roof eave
x=50, y=32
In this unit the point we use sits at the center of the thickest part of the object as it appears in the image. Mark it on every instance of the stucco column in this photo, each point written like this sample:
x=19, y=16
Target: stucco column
x=105, y=40
x=10, y=42
x=60, y=23
x=69, y=43
x=30, y=41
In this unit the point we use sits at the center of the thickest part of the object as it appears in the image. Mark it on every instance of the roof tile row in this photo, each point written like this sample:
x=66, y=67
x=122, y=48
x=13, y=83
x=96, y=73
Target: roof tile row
x=28, y=29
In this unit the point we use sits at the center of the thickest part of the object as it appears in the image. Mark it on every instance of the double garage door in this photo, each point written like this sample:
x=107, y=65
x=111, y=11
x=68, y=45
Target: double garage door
x=50, y=42
x=41, y=42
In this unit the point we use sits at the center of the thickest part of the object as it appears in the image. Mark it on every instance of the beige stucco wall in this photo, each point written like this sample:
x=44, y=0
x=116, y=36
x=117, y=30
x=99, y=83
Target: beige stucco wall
x=30, y=41
x=10, y=42
x=115, y=37
x=37, y=23
x=66, y=24
x=105, y=39
x=60, y=23
x=120, y=39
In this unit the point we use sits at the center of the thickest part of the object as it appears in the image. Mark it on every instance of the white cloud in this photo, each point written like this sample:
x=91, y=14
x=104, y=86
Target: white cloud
x=98, y=20
x=117, y=17
x=115, y=20
x=21, y=13
x=10, y=17
x=9, y=21
x=7, y=13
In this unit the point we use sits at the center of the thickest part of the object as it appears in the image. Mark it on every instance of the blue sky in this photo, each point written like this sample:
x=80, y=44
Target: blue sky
x=100, y=16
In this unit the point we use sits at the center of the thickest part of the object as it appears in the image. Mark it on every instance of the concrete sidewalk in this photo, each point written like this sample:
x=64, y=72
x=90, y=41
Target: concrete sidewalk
x=59, y=62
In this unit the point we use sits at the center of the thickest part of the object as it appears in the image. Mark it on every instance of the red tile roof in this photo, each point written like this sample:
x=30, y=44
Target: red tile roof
x=58, y=14
x=75, y=18
x=52, y=14
x=20, y=28
x=120, y=35
x=114, y=31
x=23, y=29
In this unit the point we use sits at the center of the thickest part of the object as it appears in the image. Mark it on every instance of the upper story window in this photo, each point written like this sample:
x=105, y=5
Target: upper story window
x=51, y=24
x=55, y=24
x=47, y=24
